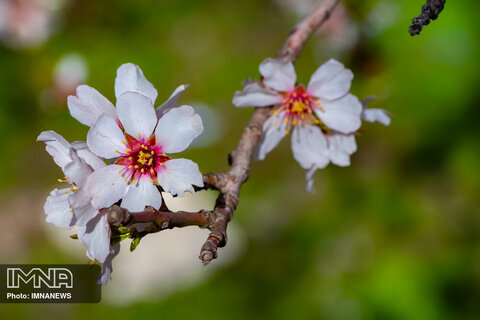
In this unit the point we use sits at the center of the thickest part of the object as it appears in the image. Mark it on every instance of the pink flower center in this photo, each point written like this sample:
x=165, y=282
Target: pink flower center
x=297, y=108
x=143, y=158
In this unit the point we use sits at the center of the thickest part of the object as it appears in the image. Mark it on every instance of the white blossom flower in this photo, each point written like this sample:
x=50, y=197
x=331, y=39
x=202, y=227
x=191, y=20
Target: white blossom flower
x=71, y=206
x=140, y=140
x=374, y=115
x=316, y=115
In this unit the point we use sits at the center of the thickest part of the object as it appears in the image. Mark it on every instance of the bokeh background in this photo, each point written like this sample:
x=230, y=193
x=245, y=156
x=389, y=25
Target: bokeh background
x=393, y=236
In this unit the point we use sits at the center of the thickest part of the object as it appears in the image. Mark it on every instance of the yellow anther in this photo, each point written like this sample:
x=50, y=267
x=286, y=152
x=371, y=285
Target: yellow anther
x=152, y=152
x=294, y=94
x=65, y=191
x=286, y=120
x=128, y=150
x=136, y=167
x=275, y=112
x=294, y=122
x=274, y=123
x=119, y=171
x=304, y=95
x=150, y=161
x=299, y=121
x=161, y=164
x=124, y=142
x=66, y=178
x=130, y=167
x=321, y=108
x=71, y=181
x=125, y=180
x=163, y=154
x=133, y=181
x=152, y=171
x=303, y=116
x=130, y=158
x=116, y=151
x=317, y=121
x=59, y=180
x=287, y=132
x=151, y=180
x=139, y=135
x=142, y=170
x=70, y=210
x=290, y=101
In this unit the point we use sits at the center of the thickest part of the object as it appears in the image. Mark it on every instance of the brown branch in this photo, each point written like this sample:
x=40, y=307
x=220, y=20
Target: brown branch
x=430, y=11
x=228, y=183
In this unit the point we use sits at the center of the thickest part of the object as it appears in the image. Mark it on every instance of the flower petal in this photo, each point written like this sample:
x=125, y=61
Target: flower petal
x=57, y=147
x=130, y=78
x=106, y=186
x=105, y=138
x=137, y=114
x=84, y=214
x=309, y=147
x=88, y=105
x=274, y=129
x=342, y=114
x=379, y=115
x=77, y=170
x=340, y=147
x=96, y=237
x=309, y=173
x=57, y=209
x=177, y=129
x=278, y=75
x=107, y=268
x=178, y=176
x=172, y=101
x=88, y=156
x=144, y=193
x=254, y=95
x=331, y=81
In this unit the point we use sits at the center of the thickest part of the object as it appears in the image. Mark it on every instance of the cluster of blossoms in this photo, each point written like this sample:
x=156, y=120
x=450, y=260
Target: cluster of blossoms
x=322, y=118
x=136, y=140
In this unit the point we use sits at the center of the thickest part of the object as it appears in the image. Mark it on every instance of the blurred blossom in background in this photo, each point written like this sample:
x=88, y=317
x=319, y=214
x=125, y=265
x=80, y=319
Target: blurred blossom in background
x=393, y=236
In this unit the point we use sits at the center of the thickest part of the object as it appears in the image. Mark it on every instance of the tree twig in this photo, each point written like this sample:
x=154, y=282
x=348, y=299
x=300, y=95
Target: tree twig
x=430, y=11
x=227, y=183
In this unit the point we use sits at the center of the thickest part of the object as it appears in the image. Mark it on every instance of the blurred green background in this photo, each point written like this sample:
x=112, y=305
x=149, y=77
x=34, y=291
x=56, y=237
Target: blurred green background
x=393, y=236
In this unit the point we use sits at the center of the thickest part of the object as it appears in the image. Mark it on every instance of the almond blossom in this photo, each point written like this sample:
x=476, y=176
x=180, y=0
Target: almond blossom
x=321, y=117
x=69, y=207
x=139, y=139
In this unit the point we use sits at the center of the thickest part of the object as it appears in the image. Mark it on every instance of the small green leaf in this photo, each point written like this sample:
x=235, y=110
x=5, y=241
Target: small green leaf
x=134, y=244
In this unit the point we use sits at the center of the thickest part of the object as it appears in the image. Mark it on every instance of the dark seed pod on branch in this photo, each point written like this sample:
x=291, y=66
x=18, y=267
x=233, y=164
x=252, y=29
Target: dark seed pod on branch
x=430, y=11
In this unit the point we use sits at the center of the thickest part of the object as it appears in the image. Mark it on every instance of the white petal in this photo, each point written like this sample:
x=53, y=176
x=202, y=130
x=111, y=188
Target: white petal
x=177, y=129
x=340, y=147
x=88, y=156
x=137, y=114
x=254, y=95
x=273, y=132
x=107, y=265
x=105, y=138
x=144, y=193
x=84, y=214
x=278, y=75
x=106, y=186
x=57, y=209
x=172, y=101
x=309, y=147
x=57, y=147
x=331, y=81
x=178, y=176
x=130, y=78
x=309, y=179
x=379, y=115
x=88, y=105
x=96, y=237
x=78, y=171
x=342, y=114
